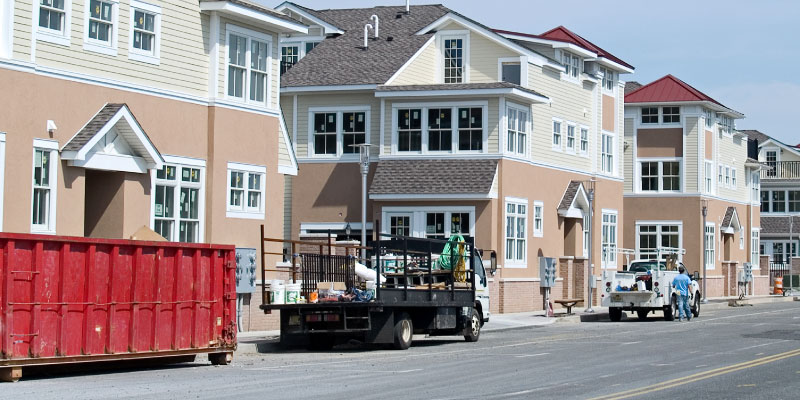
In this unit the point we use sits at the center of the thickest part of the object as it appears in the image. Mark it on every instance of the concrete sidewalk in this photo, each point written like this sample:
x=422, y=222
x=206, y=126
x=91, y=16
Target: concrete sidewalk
x=250, y=342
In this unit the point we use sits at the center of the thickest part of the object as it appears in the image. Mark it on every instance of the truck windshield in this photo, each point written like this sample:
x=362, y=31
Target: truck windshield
x=644, y=266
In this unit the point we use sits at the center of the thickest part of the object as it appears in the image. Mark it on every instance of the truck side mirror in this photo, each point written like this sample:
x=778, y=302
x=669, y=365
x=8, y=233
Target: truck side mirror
x=696, y=275
x=493, y=262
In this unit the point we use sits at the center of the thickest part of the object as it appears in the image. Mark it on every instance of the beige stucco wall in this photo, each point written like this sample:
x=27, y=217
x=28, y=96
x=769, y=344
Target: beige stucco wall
x=609, y=114
x=667, y=142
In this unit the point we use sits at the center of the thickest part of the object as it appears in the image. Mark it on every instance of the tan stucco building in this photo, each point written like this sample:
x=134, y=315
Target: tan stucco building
x=119, y=115
x=683, y=154
x=474, y=131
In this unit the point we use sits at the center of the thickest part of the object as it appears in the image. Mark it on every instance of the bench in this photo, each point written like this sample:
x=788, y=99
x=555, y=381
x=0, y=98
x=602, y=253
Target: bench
x=569, y=303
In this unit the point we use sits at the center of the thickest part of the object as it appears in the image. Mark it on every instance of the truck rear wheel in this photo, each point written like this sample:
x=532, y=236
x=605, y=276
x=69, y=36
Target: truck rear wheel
x=473, y=331
x=669, y=310
x=615, y=314
x=403, y=331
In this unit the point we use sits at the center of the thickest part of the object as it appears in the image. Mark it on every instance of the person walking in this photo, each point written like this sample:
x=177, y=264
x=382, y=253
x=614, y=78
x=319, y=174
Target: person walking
x=681, y=285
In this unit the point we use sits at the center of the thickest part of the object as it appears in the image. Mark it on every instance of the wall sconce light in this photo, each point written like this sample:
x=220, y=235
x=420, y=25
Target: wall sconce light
x=51, y=127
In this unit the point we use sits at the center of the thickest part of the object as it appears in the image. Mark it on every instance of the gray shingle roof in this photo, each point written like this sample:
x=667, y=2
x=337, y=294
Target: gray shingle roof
x=456, y=86
x=780, y=225
x=342, y=60
x=433, y=177
x=726, y=221
x=754, y=134
x=569, y=196
x=93, y=126
x=631, y=86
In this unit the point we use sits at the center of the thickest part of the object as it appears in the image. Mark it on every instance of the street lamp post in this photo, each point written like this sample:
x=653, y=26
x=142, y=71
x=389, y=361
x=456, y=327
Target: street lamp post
x=363, y=151
x=590, y=276
x=705, y=246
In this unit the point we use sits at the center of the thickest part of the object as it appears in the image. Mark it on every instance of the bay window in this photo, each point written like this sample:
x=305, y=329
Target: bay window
x=248, y=69
x=178, y=200
x=409, y=129
x=246, y=191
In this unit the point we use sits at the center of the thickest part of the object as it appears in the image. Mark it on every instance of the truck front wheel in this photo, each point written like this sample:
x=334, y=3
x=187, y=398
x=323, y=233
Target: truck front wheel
x=473, y=331
x=615, y=314
x=403, y=331
x=696, y=308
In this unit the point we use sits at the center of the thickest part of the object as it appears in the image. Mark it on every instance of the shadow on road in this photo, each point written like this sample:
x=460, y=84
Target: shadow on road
x=41, y=372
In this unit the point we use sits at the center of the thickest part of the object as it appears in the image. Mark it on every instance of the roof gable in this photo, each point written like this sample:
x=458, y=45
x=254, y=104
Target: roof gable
x=667, y=89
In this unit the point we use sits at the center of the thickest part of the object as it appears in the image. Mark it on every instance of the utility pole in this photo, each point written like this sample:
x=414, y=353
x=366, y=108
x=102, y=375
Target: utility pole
x=590, y=274
x=363, y=151
x=705, y=246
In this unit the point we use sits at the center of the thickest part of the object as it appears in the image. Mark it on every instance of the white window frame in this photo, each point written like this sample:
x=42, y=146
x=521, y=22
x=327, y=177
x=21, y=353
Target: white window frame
x=609, y=258
x=180, y=162
x=538, y=216
x=50, y=146
x=153, y=57
x=515, y=262
x=658, y=225
x=571, y=149
x=584, y=140
x=662, y=115
x=49, y=35
x=573, y=66
x=245, y=211
x=755, y=247
x=609, y=168
x=417, y=218
x=339, y=111
x=727, y=176
x=660, y=184
x=453, y=34
x=98, y=46
x=249, y=35
x=660, y=119
x=708, y=176
x=557, y=134
x=454, y=106
x=608, y=85
x=733, y=178
x=755, y=187
x=657, y=115
x=527, y=129
x=585, y=231
x=726, y=125
x=720, y=175
x=710, y=117
x=710, y=251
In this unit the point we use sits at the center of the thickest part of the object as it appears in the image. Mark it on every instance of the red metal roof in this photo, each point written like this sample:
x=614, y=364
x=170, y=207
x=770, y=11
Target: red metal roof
x=562, y=34
x=667, y=89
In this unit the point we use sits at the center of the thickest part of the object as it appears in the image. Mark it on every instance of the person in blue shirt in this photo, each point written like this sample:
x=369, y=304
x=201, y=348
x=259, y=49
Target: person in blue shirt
x=681, y=285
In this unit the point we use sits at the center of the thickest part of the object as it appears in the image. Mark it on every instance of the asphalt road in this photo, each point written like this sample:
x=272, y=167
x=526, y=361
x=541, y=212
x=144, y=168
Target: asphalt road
x=747, y=352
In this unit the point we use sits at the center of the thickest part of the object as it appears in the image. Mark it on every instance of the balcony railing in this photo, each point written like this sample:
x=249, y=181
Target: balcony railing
x=781, y=170
x=777, y=269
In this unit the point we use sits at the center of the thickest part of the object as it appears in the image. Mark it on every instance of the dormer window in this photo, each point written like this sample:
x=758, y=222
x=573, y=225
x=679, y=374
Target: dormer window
x=572, y=64
x=453, y=60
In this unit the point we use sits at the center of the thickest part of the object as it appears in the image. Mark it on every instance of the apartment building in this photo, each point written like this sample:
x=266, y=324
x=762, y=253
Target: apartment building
x=119, y=114
x=780, y=201
x=683, y=155
x=486, y=133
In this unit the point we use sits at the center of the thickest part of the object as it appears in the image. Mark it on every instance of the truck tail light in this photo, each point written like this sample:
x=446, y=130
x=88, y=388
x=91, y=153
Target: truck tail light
x=655, y=283
x=608, y=284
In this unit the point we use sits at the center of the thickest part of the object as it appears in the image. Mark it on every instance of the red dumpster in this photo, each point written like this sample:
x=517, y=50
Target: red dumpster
x=68, y=299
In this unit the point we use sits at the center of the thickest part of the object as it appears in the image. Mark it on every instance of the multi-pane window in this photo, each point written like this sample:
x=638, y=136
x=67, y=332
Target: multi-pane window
x=733, y=178
x=290, y=55
x=608, y=79
x=144, y=31
x=584, y=140
x=248, y=68
x=709, y=176
x=52, y=14
x=538, y=219
x=670, y=115
x=609, y=240
x=434, y=226
x=557, y=134
x=772, y=162
x=572, y=64
x=310, y=46
x=459, y=223
x=516, y=220
x=245, y=189
x=571, y=137
x=649, y=115
x=585, y=229
x=517, y=130
x=470, y=129
x=720, y=175
x=325, y=133
x=725, y=124
x=709, y=247
x=43, y=180
x=658, y=241
x=648, y=242
x=453, y=60
x=709, y=116
x=660, y=175
x=794, y=200
x=440, y=129
x=176, y=209
x=409, y=129
x=754, y=248
x=101, y=21
x=765, y=201
x=727, y=176
x=755, y=186
x=354, y=131
x=778, y=201
x=400, y=225
x=607, y=153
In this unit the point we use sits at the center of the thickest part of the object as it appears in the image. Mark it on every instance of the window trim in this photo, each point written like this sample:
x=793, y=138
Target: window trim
x=560, y=146
x=658, y=225
x=660, y=120
x=52, y=147
x=540, y=205
x=340, y=154
x=512, y=262
x=424, y=107
x=612, y=154
x=605, y=263
x=249, y=34
x=567, y=74
x=246, y=212
x=98, y=46
x=755, y=253
x=575, y=139
x=604, y=81
x=581, y=151
x=708, y=176
x=180, y=161
x=441, y=36
x=711, y=245
x=62, y=38
x=660, y=161
x=137, y=54
x=418, y=214
x=528, y=129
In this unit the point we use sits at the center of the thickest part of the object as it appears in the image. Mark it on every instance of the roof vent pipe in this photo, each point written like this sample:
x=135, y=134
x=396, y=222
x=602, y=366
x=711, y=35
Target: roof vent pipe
x=376, y=22
x=408, y=6
x=367, y=27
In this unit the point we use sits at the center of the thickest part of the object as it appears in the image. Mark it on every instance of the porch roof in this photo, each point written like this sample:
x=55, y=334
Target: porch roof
x=434, y=179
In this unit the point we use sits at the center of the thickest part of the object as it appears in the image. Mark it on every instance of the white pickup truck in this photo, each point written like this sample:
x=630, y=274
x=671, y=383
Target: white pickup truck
x=646, y=286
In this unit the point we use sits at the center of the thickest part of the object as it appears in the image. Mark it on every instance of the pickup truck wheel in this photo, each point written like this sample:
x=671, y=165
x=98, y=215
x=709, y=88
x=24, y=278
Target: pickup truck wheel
x=473, y=331
x=615, y=314
x=403, y=332
x=696, y=308
x=669, y=310
x=642, y=314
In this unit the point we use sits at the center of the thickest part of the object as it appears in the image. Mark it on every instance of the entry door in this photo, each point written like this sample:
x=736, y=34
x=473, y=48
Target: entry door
x=400, y=224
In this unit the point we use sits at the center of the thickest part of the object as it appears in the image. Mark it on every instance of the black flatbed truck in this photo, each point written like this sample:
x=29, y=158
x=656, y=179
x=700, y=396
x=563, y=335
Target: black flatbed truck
x=418, y=300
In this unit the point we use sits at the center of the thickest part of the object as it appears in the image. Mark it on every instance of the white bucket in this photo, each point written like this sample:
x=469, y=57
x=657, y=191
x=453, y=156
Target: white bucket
x=641, y=286
x=277, y=292
x=371, y=288
x=292, y=293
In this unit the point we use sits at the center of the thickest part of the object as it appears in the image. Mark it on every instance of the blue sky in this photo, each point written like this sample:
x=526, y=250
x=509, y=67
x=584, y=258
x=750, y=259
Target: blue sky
x=742, y=53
